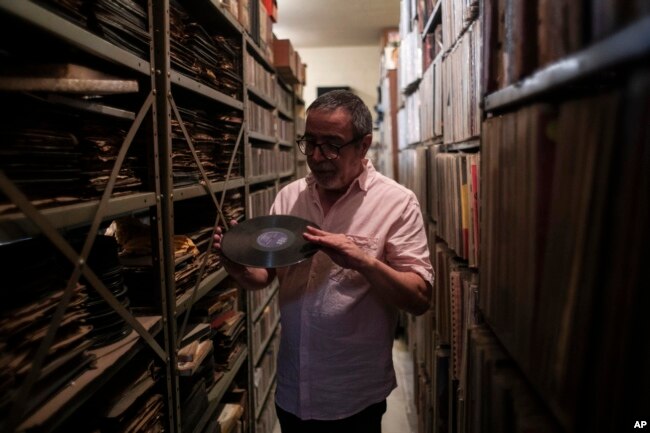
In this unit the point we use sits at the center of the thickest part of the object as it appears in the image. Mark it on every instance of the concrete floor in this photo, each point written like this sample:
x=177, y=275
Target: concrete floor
x=400, y=416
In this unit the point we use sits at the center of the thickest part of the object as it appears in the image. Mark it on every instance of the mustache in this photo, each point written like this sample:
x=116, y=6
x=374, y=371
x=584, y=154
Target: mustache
x=322, y=166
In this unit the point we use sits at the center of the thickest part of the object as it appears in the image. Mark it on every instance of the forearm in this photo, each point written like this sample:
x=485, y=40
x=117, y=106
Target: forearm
x=406, y=290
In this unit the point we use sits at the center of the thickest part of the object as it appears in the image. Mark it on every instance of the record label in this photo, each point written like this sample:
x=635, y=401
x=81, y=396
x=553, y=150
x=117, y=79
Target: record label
x=274, y=239
x=268, y=241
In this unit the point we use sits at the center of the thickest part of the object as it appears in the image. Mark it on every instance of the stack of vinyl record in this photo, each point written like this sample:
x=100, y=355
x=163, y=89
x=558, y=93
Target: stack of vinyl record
x=70, y=9
x=229, y=341
x=33, y=287
x=41, y=161
x=220, y=308
x=131, y=402
x=194, y=402
x=196, y=373
x=124, y=23
x=233, y=207
x=134, y=402
x=108, y=325
x=51, y=152
x=214, y=61
x=185, y=170
x=214, y=137
x=229, y=124
x=134, y=239
x=121, y=22
x=202, y=239
x=100, y=145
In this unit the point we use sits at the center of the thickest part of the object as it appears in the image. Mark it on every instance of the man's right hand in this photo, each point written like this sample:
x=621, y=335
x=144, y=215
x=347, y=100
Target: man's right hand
x=249, y=278
x=232, y=268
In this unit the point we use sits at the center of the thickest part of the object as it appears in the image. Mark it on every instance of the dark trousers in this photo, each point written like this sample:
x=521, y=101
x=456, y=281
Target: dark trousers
x=366, y=421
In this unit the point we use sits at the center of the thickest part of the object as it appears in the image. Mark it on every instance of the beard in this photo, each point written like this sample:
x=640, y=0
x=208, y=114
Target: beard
x=327, y=179
x=334, y=175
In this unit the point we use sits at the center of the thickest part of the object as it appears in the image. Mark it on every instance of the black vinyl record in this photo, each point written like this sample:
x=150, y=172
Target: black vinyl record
x=268, y=242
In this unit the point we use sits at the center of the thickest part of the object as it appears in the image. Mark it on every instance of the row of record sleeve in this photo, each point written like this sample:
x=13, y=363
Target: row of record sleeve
x=564, y=219
x=448, y=187
x=261, y=119
x=265, y=372
x=465, y=378
x=259, y=203
x=270, y=161
x=456, y=16
x=446, y=104
x=260, y=77
x=521, y=38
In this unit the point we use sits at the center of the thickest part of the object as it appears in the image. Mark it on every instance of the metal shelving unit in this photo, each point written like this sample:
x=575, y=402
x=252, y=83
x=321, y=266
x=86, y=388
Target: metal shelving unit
x=158, y=332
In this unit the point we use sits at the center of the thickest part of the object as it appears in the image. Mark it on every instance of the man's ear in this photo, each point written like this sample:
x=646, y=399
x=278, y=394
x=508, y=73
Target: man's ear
x=366, y=143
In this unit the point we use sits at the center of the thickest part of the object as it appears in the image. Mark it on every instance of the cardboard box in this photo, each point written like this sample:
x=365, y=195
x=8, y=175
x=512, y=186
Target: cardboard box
x=284, y=60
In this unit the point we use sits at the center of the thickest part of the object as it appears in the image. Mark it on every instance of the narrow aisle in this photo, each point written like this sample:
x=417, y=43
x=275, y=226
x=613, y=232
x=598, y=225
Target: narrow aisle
x=400, y=416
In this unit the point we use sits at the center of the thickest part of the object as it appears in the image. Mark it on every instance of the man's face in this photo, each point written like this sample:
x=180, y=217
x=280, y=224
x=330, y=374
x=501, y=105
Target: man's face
x=334, y=127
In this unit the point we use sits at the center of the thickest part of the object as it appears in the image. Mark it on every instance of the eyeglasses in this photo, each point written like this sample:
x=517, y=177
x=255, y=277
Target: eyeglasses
x=328, y=150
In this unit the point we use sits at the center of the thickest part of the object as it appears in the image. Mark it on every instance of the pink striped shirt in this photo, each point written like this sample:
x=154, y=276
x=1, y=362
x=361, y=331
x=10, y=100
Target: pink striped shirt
x=335, y=356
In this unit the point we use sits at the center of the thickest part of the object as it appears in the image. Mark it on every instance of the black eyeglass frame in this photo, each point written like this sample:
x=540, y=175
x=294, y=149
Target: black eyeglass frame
x=302, y=145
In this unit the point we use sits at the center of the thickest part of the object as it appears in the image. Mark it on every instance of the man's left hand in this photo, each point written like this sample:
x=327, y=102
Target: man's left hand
x=340, y=248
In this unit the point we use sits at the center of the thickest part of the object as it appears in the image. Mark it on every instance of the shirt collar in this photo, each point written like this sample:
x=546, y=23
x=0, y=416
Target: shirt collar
x=363, y=180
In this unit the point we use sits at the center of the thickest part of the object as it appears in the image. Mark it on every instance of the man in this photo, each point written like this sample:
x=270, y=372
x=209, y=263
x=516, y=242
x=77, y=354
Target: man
x=339, y=309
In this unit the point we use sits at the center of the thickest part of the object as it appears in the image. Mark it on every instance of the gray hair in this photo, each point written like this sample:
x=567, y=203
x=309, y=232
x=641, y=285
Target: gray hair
x=334, y=99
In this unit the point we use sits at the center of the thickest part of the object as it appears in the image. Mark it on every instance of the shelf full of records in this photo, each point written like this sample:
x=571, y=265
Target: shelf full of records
x=71, y=145
x=267, y=420
x=575, y=177
x=453, y=200
x=448, y=94
x=285, y=131
x=410, y=48
x=260, y=79
x=431, y=107
x=412, y=166
x=285, y=99
x=460, y=68
x=550, y=73
x=261, y=120
x=112, y=180
x=440, y=161
x=567, y=129
x=263, y=329
x=271, y=163
x=265, y=339
x=260, y=201
x=264, y=374
x=457, y=15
